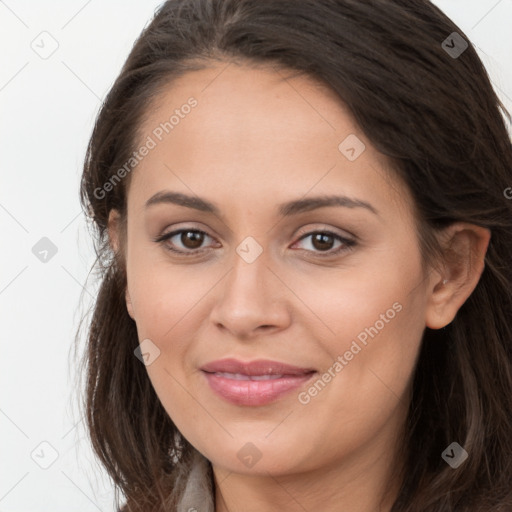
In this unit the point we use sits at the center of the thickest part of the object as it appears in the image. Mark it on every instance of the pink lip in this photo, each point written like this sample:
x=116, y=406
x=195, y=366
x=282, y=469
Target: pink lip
x=254, y=392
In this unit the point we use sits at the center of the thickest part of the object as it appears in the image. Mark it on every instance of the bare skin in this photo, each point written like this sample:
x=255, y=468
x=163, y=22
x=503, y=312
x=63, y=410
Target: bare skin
x=256, y=140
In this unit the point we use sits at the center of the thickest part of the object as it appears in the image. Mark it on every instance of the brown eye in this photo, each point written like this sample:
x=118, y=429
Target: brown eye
x=185, y=240
x=322, y=241
x=325, y=242
x=192, y=239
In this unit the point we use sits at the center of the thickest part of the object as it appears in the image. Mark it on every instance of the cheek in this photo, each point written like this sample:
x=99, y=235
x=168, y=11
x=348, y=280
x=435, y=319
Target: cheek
x=171, y=304
x=374, y=320
x=379, y=332
x=165, y=294
x=348, y=302
x=168, y=302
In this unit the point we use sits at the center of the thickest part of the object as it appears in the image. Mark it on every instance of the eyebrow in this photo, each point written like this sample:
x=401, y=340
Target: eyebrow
x=284, y=209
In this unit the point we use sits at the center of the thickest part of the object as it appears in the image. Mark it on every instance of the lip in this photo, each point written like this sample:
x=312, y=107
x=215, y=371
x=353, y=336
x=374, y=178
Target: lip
x=257, y=367
x=239, y=389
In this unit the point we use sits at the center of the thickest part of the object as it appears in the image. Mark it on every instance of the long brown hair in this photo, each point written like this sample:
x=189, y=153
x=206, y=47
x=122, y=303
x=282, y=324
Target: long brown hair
x=436, y=115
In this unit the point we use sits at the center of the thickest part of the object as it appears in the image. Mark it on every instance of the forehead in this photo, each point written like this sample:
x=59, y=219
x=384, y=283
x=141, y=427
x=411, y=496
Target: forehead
x=254, y=131
x=250, y=102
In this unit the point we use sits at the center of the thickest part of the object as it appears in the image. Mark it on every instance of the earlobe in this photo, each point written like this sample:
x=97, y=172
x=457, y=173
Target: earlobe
x=464, y=249
x=113, y=229
x=129, y=305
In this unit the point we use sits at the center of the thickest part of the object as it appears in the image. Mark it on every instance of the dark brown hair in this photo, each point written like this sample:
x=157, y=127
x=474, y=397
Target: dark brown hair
x=438, y=118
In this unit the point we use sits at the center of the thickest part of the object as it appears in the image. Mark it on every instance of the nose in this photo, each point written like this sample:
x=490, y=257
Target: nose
x=251, y=299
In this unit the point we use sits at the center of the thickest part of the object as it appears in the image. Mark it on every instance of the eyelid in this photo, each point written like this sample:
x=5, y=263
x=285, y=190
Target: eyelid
x=328, y=229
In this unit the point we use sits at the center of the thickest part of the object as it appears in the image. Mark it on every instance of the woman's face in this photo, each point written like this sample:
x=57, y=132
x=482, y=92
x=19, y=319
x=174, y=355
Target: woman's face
x=263, y=282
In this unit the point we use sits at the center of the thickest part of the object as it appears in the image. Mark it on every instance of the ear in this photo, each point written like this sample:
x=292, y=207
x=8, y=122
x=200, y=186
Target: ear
x=113, y=235
x=129, y=305
x=113, y=226
x=464, y=248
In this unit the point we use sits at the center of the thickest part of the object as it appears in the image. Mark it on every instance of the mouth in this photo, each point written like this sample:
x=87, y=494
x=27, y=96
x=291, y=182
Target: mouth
x=254, y=383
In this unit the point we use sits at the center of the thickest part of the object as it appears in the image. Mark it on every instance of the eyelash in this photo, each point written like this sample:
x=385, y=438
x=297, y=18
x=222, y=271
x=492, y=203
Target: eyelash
x=347, y=244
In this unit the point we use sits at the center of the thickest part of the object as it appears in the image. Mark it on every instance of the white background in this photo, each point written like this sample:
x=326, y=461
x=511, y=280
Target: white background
x=47, y=111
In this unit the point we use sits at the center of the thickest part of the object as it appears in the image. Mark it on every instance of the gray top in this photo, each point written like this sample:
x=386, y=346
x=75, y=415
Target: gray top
x=198, y=493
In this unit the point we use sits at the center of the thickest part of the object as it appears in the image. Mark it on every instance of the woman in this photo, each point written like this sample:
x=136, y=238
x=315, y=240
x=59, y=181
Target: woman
x=304, y=234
